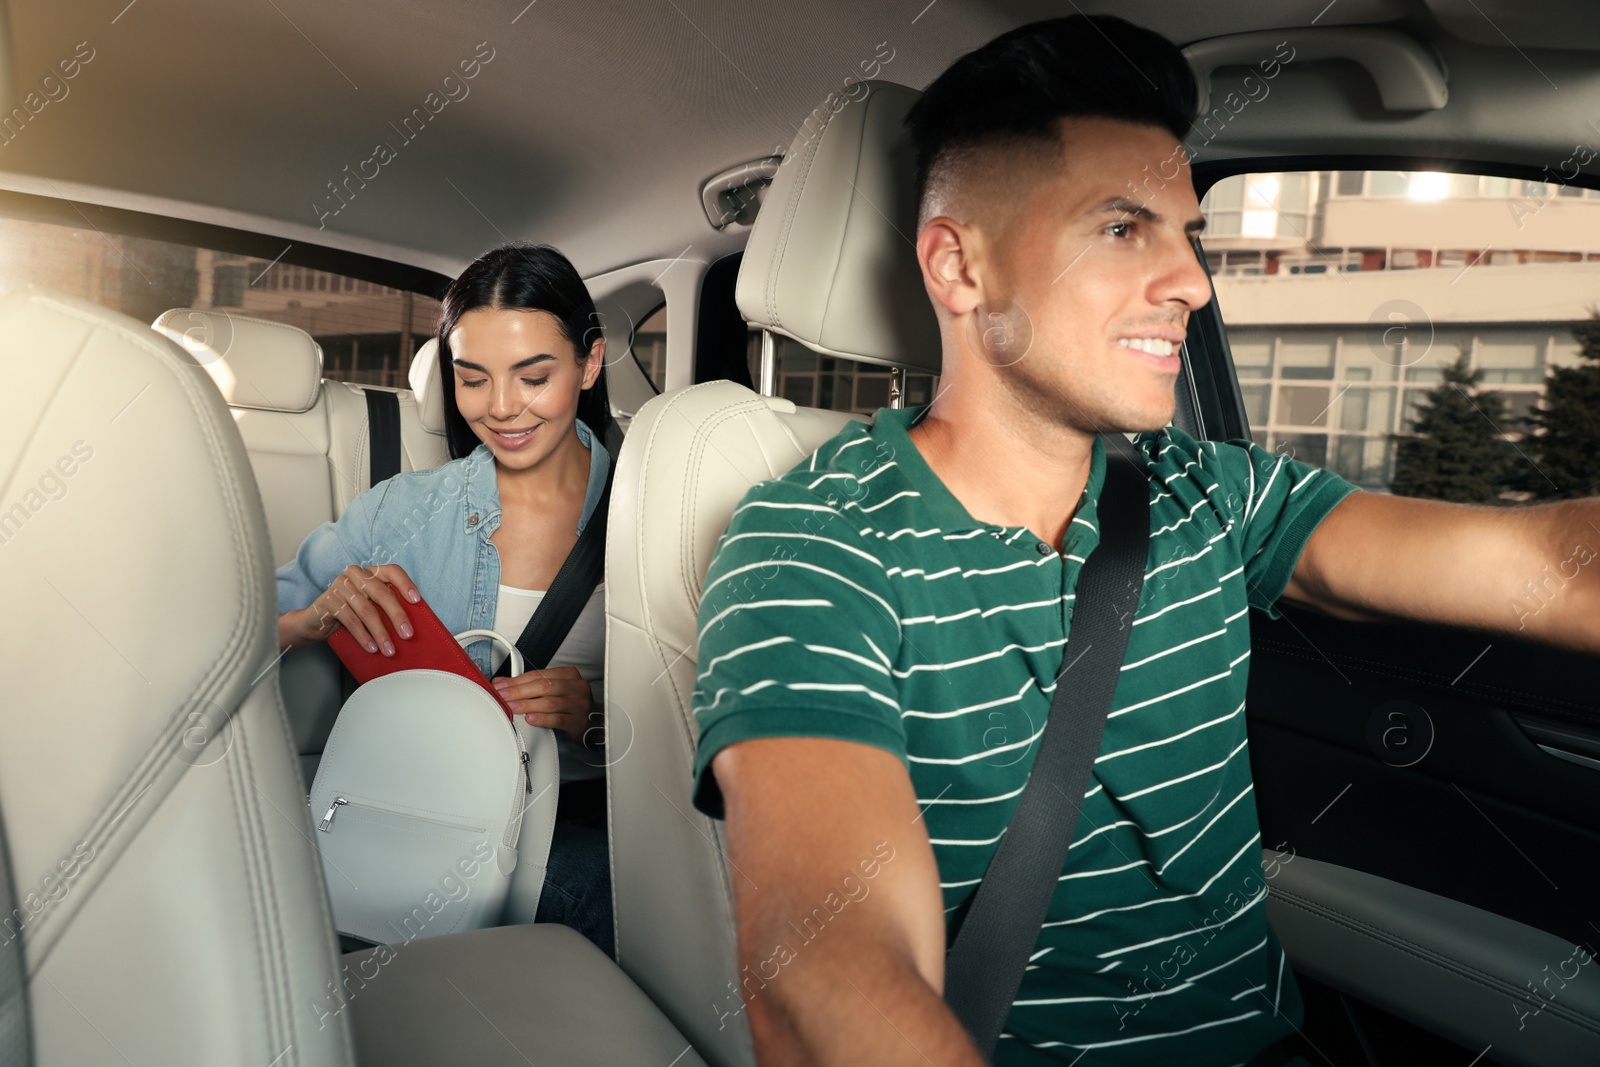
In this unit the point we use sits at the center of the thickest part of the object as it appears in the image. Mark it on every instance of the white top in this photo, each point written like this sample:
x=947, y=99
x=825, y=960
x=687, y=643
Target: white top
x=584, y=648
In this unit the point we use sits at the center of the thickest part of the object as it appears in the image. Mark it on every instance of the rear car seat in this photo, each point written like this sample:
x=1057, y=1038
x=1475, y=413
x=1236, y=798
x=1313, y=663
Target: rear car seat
x=827, y=265
x=311, y=446
x=308, y=437
x=170, y=905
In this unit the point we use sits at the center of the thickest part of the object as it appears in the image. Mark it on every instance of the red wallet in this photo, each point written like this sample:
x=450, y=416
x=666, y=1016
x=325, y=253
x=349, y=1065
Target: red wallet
x=430, y=647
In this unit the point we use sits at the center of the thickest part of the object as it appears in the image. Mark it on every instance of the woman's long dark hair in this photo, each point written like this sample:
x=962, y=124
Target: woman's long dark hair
x=529, y=278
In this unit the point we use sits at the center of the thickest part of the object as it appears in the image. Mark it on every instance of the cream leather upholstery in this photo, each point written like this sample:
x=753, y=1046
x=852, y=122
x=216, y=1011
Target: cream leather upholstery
x=350, y=457
x=271, y=376
x=307, y=438
x=310, y=447
x=174, y=907
x=832, y=261
x=425, y=385
x=547, y=994
x=256, y=363
x=689, y=457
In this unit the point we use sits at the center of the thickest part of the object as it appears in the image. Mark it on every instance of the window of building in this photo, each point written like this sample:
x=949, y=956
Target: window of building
x=1252, y=353
x=366, y=339
x=1414, y=399
x=1301, y=356
x=1307, y=447
x=1257, y=402
x=1223, y=204
x=1368, y=459
x=1335, y=369
x=650, y=346
x=227, y=287
x=1424, y=358
x=1244, y=262
x=1303, y=405
x=1375, y=354
x=810, y=379
x=1519, y=405
x=1510, y=357
x=1367, y=409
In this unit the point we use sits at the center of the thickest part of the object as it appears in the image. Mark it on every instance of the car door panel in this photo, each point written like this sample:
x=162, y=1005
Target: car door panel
x=1478, y=812
x=1434, y=797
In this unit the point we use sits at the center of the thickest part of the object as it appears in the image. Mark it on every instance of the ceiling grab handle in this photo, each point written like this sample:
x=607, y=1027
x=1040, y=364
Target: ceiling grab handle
x=732, y=197
x=1409, y=77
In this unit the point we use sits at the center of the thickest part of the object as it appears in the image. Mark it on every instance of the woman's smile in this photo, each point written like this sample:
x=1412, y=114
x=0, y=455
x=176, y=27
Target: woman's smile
x=512, y=439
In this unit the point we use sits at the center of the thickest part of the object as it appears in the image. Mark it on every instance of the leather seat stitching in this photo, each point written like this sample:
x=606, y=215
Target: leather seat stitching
x=157, y=756
x=253, y=841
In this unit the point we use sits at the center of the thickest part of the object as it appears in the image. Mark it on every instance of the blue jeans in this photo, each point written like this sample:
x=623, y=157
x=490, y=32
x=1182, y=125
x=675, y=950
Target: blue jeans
x=577, y=884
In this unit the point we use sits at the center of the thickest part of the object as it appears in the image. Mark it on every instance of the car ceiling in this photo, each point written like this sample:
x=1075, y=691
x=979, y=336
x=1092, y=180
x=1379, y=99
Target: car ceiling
x=593, y=126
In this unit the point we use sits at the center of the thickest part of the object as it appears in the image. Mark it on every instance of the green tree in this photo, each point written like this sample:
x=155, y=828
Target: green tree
x=1456, y=452
x=1566, y=428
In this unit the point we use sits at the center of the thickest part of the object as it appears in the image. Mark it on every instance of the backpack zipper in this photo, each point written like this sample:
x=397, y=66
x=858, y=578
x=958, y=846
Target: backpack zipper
x=513, y=830
x=333, y=809
x=338, y=802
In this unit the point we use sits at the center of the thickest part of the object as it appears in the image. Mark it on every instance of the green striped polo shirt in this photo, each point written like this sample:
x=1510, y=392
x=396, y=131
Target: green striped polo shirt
x=856, y=598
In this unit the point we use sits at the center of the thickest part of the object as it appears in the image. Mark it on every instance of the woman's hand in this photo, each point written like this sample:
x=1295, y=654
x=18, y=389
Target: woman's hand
x=361, y=600
x=556, y=697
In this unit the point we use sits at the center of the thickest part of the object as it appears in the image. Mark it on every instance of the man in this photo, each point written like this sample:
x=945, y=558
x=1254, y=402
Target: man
x=870, y=706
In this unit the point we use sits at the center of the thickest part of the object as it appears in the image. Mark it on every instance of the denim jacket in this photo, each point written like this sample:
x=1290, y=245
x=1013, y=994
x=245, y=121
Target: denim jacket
x=436, y=525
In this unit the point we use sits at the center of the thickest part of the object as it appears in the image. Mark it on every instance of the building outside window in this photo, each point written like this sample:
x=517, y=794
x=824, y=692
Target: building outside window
x=1344, y=308
x=368, y=332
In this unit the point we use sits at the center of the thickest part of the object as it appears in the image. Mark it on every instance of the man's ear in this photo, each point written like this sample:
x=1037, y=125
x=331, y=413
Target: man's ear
x=946, y=251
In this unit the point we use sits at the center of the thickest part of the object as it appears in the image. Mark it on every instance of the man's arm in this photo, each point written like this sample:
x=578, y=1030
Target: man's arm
x=1533, y=572
x=850, y=965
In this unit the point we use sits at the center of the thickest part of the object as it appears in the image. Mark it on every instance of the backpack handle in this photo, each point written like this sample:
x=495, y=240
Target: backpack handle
x=467, y=637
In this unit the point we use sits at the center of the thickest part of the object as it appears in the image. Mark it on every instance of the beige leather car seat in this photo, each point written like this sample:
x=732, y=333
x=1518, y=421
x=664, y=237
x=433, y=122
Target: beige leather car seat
x=307, y=437
x=831, y=264
x=309, y=444
x=170, y=903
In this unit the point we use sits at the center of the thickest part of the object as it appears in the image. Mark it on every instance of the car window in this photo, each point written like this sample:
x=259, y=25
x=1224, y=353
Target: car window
x=368, y=331
x=816, y=381
x=650, y=347
x=1426, y=333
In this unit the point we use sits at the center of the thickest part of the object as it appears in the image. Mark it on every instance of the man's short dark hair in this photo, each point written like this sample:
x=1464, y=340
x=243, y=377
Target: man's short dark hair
x=1012, y=91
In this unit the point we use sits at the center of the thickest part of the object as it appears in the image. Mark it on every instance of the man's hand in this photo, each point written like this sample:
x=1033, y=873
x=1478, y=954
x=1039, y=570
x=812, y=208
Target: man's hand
x=840, y=916
x=1532, y=572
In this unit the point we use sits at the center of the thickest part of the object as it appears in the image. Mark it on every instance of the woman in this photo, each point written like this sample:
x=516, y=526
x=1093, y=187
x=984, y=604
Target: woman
x=520, y=360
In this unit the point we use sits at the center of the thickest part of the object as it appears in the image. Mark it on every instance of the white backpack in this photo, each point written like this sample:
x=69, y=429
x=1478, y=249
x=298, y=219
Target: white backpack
x=433, y=810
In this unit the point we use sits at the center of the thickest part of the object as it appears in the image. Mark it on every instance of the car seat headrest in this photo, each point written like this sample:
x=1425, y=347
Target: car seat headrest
x=427, y=386
x=831, y=260
x=256, y=363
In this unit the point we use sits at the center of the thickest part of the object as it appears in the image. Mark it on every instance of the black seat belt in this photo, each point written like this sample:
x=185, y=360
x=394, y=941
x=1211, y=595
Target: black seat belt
x=571, y=589
x=383, y=433
x=613, y=437
x=985, y=964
